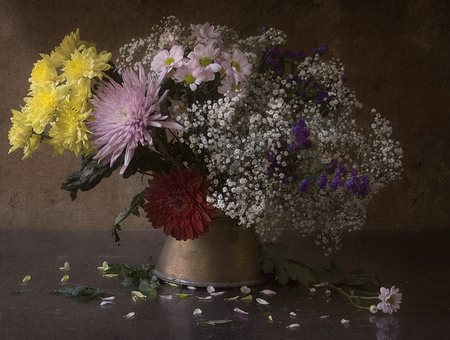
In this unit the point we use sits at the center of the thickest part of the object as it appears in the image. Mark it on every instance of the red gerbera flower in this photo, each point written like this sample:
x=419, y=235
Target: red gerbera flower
x=178, y=203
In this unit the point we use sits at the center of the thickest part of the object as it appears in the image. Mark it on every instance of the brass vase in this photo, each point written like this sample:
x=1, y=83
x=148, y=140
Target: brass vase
x=225, y=257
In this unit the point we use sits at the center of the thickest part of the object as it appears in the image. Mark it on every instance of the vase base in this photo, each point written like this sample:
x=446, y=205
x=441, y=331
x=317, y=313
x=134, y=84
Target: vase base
x=200, y=284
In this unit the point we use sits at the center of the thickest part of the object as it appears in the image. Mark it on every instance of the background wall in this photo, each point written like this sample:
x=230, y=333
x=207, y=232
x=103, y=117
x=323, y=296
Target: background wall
x=396, y=55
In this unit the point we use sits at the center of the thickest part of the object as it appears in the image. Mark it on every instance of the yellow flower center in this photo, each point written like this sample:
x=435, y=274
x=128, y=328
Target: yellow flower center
x=236, y=66
x=205, y=61
x=189, y=79
x=168, y=61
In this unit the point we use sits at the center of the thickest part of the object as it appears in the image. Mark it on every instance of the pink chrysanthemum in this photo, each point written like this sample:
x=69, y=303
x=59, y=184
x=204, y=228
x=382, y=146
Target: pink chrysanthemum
x=204, y=57
x=178, y=203
x=236, y=66
x=206, y=34
x=390, y=300
x=165, y=60
x=123, y=112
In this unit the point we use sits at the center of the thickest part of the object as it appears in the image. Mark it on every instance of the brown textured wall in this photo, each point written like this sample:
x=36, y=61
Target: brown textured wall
x=396, y=55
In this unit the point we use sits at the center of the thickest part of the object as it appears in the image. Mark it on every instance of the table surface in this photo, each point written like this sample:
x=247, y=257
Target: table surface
x=416, y=261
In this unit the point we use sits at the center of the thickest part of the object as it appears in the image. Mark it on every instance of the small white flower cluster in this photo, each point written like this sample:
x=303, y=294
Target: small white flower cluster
x=285, y=150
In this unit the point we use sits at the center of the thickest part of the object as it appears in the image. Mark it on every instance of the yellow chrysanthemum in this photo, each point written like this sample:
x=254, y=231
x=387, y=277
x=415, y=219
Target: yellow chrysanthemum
x=43, y=73
x=69, y=44
x=69, y=132
x=42, y=104
x=20, y=132
x=86, y=63
x=21, y=136
x=80, y=95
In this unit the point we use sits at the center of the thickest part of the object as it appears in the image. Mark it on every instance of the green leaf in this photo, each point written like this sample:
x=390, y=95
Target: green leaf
x=127, y=282
x=136, y=203
x=82, y=293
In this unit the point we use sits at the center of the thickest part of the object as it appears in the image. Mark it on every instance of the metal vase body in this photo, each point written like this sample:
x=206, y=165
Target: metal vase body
x=226, y=256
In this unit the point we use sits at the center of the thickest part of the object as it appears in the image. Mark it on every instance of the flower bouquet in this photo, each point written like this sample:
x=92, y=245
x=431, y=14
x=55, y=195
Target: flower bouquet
x=268, y=137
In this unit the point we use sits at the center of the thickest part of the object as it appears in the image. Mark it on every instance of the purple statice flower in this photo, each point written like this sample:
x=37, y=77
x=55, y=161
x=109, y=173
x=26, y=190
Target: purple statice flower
x=336, y=183
x=340, y=170
x=302, y=94
x=271, y=62
x=322, y=181
x=122, y=114
x=296, y=78
x=305, y=185
x=301, y=55
x=357, y=186
x=321, y=93
x=264, y=29
x=290, y=54
x=301, y=133
x=314, y=50
x=323, y=49
x=330, y=168
x=344, y=79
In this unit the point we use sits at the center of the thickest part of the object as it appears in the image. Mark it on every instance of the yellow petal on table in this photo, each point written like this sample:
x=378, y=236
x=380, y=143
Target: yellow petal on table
x=183, y=295
x=104, y=266
x=26, y=279
x=110, y=275
x=66, y=267
x=65, y=278
x=247, y=298
x=270, y=318
x=171, y=284
x=234, y=298
x=138, y=294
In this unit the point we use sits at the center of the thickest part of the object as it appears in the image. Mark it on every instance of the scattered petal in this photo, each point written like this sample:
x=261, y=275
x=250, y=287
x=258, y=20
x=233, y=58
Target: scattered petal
x=166, y=297
x=293, y=314
x=210, y=289
x=324, y=316
x=134, y=299
x=197, y=311
x=245, y=290
x=104, y=266
x=270, y=318
x=191, y=287
x=234, y=298
x=65, y=278
x=182, y=296
x=216, y=322
x=204, y=297
x=217, y=293
x=103, y=303
x=110, y=275
x=171, y=284
x=247, y=298
x=312, y=290
x=129, y=315
x=323, y=284
x=268, y=292
x=240, y=311
x=344, y=321
x=328, y=292
x=108, y=298
x=293, y=326
x=26, y=279
x=137, y=294
x=262, y=301
x=66, y=267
